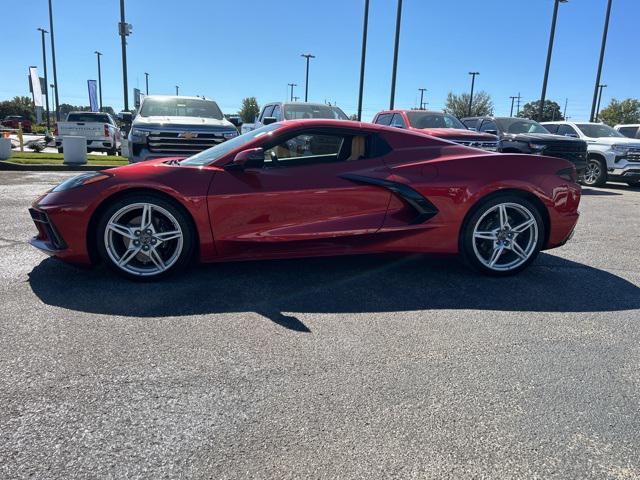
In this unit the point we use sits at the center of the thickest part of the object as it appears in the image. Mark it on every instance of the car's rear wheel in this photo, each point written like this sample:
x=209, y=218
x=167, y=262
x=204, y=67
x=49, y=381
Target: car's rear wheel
x=145, y=237
x=502, y=236
x=595, y=175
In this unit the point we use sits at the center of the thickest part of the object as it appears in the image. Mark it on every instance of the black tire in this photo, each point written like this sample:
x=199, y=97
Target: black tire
x=466, y=242
x=113, y=151
x=598, y=167
x=189, y=236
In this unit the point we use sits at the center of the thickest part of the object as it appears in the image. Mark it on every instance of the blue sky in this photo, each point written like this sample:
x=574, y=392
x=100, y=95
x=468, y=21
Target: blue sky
x=228, y=50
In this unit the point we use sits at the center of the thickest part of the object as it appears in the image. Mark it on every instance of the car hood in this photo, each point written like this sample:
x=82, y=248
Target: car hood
x=631, y=142
x=181, y=121
x=458, y=133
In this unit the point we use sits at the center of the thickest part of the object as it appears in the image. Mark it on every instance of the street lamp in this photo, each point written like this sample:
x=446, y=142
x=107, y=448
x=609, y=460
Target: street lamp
x=473, y=82
x=549, y=51
x=53, y=60
x=422, y=90
x=177, y=90
x=98, y=54
x=292, y=85
x=512, y=100
x=365, y=27
x=600, y=87
x=306, y=85
x=124, y=30
x=395, y=55
x=602, y=47
x=146, y=81
x=46, y=81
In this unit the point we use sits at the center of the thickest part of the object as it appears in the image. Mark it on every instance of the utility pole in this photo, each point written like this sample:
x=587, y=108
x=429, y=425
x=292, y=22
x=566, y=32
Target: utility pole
x=146, y=81
x=518, y=107
x=549, y=51
x=473, y=81
x=295, y=99
x=125, y=30
x=177, y=90
x=306, y=84
x=422, y=90
x=599, y=100
x=292, y=85
x=602, y=48
x=46, y=81
x=564, y=113
x=365, y=27
x=53, y=60
x=395, y=55
x=512, y=100
x=98, y=54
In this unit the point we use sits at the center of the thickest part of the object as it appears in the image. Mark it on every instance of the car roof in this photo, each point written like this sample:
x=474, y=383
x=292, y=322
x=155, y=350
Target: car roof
x=164, y=97
x=344, y=125
x=409, y=110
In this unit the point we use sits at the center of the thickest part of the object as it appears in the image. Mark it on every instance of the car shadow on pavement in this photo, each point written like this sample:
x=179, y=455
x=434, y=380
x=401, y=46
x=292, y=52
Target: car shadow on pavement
x=352, y=284
x=596, y=192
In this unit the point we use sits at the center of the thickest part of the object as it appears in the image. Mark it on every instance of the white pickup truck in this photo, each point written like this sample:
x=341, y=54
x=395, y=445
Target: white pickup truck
x=100, y=130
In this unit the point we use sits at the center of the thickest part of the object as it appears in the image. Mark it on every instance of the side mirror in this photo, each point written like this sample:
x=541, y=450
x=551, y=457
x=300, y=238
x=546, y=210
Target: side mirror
x=252, y=157
x=269, y=120
x=492, y=132
x=237, y=121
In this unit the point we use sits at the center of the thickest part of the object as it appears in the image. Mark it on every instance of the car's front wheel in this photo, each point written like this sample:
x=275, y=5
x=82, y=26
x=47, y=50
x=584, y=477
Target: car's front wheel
x=145, y=237
x=502, y=236
x=595, y=175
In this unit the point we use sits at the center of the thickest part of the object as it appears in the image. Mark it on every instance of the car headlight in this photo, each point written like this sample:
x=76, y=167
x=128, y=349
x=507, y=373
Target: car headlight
x=538, y=147
x=620, y=149
x=82, y=179
x=230, y=134
x=139, y=135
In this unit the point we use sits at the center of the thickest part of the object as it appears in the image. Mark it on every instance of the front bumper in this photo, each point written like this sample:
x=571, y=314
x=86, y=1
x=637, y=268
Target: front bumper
x=48, y=239
x=622, y=167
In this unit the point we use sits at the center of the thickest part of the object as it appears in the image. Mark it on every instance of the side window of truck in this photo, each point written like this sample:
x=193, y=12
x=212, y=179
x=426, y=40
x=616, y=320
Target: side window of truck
x=384, y=119
x=567, y=130
x=276, y=112
x=266, y=112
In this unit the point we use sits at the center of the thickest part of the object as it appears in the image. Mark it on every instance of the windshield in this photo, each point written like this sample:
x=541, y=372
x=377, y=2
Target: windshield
x=88, y=117
x=595, y=130
x=434, y=120
x=520, y=125
x=180, y=107
x=212, y=154
x=297, y=111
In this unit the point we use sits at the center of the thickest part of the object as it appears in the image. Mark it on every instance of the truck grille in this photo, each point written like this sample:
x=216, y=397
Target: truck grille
x=183, y=142
x=569, y=147
x=633, y=155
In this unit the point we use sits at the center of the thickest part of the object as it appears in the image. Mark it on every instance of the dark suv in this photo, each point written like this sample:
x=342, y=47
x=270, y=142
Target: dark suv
x=521, y=135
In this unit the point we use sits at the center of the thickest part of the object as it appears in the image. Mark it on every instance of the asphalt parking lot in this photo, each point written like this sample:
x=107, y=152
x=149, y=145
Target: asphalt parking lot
x=358, y=367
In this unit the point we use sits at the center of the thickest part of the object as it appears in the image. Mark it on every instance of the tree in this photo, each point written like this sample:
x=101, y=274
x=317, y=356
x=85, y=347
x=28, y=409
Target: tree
x=22, y=106
x=249, y=110
x=550, y=112
x=626, y=111
x=458, y=105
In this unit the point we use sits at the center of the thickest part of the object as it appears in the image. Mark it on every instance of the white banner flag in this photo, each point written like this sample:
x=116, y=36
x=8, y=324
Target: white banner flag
x=35, y=85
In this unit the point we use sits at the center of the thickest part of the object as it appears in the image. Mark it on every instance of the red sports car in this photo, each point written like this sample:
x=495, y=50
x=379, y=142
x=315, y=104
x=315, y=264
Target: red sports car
x=310, y=188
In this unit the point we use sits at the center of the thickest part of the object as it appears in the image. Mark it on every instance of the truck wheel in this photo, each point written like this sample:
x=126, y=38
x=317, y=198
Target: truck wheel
x=112, y=151
x=595, y=175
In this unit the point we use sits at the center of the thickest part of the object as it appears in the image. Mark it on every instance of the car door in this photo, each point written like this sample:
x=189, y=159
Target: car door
x=301, y=200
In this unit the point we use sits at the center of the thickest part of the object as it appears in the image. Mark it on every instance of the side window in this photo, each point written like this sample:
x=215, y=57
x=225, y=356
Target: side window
x=488, y=125
x=313, y=148
x=266, y=112
x=384, y=119
x=629, y=131
x=552, y=127
x=471, y=123
x=276, y=112
x=567, y=130
x=398, y=121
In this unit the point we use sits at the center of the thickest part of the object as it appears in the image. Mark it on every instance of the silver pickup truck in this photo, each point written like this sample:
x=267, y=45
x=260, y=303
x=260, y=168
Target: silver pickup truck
x=100, y=130
x=176, y=126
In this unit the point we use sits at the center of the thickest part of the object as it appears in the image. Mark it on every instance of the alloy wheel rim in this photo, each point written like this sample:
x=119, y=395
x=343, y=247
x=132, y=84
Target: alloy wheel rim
x=143, y=239
x=592, y=173
x=505, y=237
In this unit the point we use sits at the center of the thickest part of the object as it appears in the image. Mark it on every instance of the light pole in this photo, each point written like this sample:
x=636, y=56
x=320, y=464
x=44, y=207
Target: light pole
x=564, y=114
x=53, y=60
x=295, y=99
x=146, y=81
x=124, y=30
x=177, y=90
x=306, y=85
x=422, y=90
x=473, y=82
x=46, y=81
x=395, y=55
x=512, y=100
x=599, y=100
x=602, y=48
x=549, y=51
x=98, y=54
x=292, y=85
x=365, y=27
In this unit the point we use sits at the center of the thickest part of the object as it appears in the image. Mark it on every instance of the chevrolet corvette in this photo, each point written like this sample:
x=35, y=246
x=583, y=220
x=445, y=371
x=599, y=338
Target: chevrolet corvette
x=311, y=188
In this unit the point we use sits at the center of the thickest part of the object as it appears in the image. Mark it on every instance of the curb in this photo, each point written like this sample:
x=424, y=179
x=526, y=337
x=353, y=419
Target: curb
x=19, y=167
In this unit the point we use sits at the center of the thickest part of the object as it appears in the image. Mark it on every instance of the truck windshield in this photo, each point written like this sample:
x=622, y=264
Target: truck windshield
x=88, y=117
x=434, y=120
x=207, y=157
x=297, y=111
x=595, y=130
x=520, y=125
x=180, y=107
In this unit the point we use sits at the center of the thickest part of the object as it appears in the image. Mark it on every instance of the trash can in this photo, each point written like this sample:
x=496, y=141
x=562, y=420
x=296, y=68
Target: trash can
x=5, y=148
x=75, y=150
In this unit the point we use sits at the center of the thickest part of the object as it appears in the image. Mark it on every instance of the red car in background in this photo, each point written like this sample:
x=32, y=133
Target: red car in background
x=12, y=121
x=437, y=124
x=310, y=188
